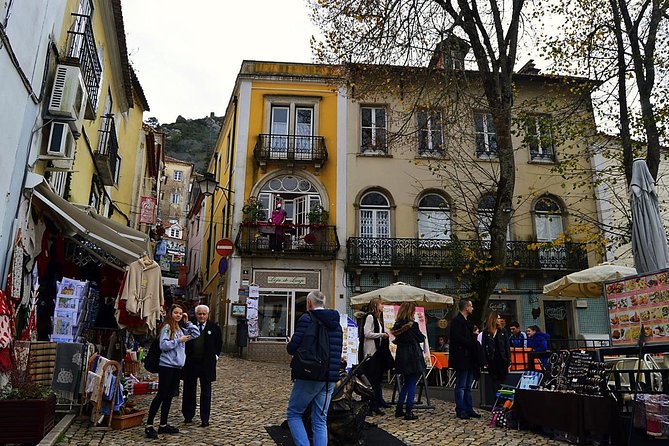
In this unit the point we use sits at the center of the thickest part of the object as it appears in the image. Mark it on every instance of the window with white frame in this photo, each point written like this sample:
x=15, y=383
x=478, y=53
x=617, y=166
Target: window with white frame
x=486, y=209
x=486, y=137
x=374, y=215
x=373, y=128
x=434, y=218
x=178, y=175
x=174, y=232
x=430, y=133
x=292, y=126
x=175, y=198
x=549, y=227
x=539, y=137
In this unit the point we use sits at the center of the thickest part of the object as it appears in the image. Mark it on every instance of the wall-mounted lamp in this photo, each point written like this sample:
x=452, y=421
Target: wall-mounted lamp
x=208, y=185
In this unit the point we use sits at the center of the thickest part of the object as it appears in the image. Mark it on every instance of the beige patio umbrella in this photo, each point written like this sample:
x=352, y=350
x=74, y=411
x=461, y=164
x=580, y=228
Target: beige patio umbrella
x=399, y=292
x=589, y=282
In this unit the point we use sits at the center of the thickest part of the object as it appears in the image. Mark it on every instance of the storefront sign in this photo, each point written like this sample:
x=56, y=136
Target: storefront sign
x=183, y=276
x=147, y=210
x=559, y=313
x=281, y=280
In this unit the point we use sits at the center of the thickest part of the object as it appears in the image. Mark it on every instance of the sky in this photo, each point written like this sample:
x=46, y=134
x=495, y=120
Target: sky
x=187, y=54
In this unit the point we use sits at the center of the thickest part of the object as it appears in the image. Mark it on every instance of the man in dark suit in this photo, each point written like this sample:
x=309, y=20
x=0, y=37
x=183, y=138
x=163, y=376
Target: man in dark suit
x=463, y=358
x=201, y=356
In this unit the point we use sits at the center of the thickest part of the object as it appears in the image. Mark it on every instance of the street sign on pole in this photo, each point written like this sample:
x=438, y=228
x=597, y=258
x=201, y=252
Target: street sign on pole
x=224, y=247
x=222, y=266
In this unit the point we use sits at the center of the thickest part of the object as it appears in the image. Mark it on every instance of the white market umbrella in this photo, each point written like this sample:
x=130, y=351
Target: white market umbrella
x=649, y=241
x=589, y=282
x=400, y=292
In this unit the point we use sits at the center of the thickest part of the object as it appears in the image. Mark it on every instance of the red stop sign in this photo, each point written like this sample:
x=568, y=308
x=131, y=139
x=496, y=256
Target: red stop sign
x=224, y=247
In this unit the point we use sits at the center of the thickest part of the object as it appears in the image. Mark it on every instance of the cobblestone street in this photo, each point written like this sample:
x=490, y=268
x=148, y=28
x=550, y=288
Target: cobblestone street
x=250, y=395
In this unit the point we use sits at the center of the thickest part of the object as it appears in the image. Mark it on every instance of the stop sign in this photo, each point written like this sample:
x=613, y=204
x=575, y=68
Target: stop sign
x=224, y=247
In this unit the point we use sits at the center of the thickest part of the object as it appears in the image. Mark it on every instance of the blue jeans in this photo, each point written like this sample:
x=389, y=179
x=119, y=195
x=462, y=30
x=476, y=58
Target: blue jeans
x=408, y=391
x=303, y=393
x=463, y=391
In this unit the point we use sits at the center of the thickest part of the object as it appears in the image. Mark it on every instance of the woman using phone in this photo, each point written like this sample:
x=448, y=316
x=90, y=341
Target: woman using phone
x=174, y=334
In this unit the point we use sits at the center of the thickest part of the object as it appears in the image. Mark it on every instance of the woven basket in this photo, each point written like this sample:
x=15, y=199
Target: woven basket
x=131, y=367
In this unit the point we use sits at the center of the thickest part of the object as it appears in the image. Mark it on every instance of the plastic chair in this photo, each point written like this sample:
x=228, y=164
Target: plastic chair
x=435, y=364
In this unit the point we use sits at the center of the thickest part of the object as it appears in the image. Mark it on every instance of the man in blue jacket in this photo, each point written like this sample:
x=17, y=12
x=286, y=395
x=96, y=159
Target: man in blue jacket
x=317, y=392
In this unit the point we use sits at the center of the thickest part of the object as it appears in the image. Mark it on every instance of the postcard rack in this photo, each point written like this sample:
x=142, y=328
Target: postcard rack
x=95, y=397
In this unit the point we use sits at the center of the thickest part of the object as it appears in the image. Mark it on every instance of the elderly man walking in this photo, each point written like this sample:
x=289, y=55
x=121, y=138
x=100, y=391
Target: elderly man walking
x=201, y=357
x=313, y=388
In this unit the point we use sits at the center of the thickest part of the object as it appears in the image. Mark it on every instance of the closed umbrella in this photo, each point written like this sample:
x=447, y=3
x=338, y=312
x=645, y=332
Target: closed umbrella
x=589, y=282
x=649, y=241
x=400, y=292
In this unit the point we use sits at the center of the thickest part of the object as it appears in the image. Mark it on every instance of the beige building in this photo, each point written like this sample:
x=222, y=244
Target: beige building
x=172, y=212
x=421, y=166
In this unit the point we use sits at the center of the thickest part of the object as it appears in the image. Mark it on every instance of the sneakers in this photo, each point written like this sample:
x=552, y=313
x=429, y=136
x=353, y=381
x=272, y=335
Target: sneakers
x=168, y=429
x=150, y=432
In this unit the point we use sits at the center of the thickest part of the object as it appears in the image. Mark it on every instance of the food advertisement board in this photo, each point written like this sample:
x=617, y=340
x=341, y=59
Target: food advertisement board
x=637, y=301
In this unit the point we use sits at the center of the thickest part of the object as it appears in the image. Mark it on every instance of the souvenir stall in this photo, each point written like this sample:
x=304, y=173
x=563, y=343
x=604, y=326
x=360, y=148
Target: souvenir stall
x=68, y=269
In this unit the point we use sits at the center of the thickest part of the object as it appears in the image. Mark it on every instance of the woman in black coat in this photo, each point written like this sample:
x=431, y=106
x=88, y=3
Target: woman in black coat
x=409, y=360
x=496, y=350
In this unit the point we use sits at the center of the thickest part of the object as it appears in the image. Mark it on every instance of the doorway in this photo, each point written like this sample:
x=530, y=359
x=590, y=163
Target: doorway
x=559, y=319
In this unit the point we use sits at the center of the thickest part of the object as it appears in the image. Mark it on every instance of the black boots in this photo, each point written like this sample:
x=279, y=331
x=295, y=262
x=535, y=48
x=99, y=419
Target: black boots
x=399, y=412
x=409, y=415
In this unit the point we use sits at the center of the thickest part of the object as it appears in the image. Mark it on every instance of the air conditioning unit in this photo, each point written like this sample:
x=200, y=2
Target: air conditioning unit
x=61, y=140
x=69, y=97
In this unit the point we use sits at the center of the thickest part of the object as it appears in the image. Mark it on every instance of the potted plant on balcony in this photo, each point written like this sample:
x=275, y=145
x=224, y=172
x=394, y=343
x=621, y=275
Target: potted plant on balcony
x=253, y=211
x=318, y=218
x=28, y=408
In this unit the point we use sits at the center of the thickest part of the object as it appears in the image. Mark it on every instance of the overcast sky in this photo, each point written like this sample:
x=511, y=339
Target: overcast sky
x=187, y=54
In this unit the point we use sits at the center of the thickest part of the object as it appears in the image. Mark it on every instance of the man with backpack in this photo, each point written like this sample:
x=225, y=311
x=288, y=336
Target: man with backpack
x=316, y=347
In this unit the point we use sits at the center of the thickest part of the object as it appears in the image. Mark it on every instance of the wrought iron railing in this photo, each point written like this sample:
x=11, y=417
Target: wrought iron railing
x=290, y=148
x=82, y=49
x=106, y=156
x=267, y=239
x=455, y=254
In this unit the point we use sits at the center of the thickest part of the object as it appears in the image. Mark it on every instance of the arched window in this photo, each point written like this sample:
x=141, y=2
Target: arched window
x=548, y=219
x=434, y=217
x=374, y=215
x=298, y=196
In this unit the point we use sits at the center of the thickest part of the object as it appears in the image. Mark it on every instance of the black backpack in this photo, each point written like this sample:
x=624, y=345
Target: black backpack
x=311, y=360
x=152, y=358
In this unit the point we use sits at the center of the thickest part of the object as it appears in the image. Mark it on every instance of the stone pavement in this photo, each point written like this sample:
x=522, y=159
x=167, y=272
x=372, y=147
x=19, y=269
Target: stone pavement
x=250, y=395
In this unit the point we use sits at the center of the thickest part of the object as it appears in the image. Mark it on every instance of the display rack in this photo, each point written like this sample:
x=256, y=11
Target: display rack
x=116, y=370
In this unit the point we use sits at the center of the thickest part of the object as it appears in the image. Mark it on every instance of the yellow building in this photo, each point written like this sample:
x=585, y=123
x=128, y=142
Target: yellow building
x=90, y=142
x=276, y=166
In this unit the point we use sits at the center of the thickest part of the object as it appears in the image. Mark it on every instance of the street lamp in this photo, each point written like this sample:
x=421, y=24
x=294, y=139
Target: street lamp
x=208, y=185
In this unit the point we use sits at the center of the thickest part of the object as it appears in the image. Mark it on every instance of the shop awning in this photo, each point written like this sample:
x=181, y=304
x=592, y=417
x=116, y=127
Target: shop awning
x=107, y=235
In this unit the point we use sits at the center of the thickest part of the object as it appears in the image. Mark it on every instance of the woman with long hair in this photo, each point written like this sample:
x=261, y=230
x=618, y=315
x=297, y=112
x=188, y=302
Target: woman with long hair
x=376, y=347
x=496, y=350
x=409, y=360
x=174, y=334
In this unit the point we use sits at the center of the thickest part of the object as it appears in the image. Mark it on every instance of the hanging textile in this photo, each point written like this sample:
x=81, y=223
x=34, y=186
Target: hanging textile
x=143, y=291
x=68, y=370
x=6, y=336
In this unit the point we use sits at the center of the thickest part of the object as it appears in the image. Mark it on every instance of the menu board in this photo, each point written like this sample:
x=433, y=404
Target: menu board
x=637, y=301
x=389, y=316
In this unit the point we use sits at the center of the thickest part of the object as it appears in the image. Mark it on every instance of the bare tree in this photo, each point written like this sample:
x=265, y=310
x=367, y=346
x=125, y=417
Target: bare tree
x=368, y=36
x=625, y=45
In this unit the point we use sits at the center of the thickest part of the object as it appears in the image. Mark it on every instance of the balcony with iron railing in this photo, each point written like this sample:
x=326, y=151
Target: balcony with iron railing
x=82, y=51
x=106, y=156
x=415, y=253
x=290, y=150
x=287, y=240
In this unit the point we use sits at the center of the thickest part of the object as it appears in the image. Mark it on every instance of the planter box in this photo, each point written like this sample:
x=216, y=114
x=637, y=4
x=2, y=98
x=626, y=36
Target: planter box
x=26, y=421
x=127, y=421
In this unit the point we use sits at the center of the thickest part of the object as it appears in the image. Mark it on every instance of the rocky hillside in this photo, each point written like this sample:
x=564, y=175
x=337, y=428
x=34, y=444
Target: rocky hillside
x=192, y=140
